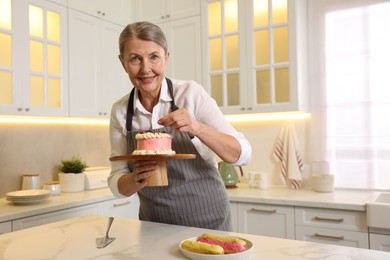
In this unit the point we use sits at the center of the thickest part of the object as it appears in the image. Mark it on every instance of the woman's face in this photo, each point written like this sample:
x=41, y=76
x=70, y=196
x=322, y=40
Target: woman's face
x=145, y=62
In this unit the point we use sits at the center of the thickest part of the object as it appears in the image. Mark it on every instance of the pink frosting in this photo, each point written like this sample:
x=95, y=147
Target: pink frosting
x=155, y=144
x=233, y=247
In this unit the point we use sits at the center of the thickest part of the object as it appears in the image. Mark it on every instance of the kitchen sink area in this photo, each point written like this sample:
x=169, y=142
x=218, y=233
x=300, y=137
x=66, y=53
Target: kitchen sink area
x=378, y=211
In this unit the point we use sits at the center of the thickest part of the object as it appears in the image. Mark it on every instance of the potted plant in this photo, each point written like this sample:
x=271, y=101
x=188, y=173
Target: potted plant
x=71, y=176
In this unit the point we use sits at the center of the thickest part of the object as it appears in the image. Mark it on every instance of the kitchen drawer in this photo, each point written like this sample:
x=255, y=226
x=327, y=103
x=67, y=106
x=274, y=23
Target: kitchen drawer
x=332, y=236
x=123, y=207
x=380, y=242
x=5, y=227
x=50, y=217
x=266, y=220
x=329, y=218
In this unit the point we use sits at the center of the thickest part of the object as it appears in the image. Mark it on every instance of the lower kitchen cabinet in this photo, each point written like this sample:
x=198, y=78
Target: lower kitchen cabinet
x=5, y=227
x=266, y=220
x=234, y=212
x=121, y=207
x=380, y=242
x=331, y=226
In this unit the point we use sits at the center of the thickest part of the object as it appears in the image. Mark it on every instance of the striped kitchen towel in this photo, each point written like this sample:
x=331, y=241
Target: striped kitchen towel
x=286, y=152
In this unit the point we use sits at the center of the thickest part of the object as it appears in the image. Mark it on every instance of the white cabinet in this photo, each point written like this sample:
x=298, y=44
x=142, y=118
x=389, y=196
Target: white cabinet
x=266, y=220
x=116, y=11
x=5, y=227
x=120, y=207
x=47, y=218
x=158, y=11
x=255, y=55
x=338, y=227
x=380, y=242
x=234, y=215
x=97, y=78
x=124, y=208
x=33, y=60
x=181, y=22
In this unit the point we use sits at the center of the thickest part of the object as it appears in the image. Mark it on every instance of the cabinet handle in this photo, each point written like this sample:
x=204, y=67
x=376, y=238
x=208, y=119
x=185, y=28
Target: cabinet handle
x=167, y=16
x=27, y=109
x=268, y=211
x=329, y=237
x=20, y=109
x=249, y=108
x=162, y=17
x=337, y=220
x=121, y=203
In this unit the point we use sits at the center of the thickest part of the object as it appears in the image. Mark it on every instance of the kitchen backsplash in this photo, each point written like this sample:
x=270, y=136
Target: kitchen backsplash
x=39, y=148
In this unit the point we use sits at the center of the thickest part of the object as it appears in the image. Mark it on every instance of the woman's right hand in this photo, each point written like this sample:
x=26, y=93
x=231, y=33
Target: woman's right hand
x=130, y=183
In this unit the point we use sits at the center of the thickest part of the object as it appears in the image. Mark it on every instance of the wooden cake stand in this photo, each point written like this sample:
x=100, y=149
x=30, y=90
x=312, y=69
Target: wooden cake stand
x=160, y=178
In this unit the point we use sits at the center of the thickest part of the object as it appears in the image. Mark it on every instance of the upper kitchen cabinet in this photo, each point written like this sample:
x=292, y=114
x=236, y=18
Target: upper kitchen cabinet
x=33, y=58
x=255, y=54
x=158, y=11
x=96, y=76
x=115, y=11
x=181, y=22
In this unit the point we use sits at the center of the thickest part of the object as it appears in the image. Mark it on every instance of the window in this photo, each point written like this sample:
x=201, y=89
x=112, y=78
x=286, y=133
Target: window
x=350, y=90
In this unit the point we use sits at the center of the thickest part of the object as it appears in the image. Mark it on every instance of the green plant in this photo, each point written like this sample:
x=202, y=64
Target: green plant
x=74, y=165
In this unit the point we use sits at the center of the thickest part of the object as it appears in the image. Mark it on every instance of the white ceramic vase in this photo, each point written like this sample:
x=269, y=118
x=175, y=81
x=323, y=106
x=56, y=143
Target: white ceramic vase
x=71, y=182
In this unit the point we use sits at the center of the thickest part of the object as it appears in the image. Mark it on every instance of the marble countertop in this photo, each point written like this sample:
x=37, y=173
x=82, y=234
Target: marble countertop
x=75, y=239
x=280, y=195
x=339, y=199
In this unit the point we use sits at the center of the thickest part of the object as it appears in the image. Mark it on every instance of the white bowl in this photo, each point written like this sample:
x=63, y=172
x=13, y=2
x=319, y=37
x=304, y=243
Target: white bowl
x=236, y=256
x=52, y=186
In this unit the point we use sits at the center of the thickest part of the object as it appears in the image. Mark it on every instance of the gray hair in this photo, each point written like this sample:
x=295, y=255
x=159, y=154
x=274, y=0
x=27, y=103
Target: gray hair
x=144, y=31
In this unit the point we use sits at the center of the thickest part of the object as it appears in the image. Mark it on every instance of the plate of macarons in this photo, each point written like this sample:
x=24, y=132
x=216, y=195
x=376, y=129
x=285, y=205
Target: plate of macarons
x=212, y=246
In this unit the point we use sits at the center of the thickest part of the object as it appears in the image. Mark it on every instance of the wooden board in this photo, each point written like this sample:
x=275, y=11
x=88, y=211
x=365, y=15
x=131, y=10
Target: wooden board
x=153, y=157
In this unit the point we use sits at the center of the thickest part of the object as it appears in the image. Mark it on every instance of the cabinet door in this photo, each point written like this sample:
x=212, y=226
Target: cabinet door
x=184, y=44
x=114, y=82
x=83, y=64
x=332, y=236
x=123, y=208
x=97, y=78
x=380, y=242
x=33, y=60
x=54, y=216
x=5, y=227
x=158, y=11
x=234, y=214
x=116, y=11
x=266, y=220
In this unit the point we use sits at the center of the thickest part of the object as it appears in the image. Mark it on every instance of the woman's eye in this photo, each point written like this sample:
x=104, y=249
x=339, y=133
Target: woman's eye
x=135, y=60
x=154, y=58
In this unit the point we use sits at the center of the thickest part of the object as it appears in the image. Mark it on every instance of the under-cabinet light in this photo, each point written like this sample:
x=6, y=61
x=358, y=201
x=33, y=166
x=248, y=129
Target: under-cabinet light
x=267, y=117
x=54, y=120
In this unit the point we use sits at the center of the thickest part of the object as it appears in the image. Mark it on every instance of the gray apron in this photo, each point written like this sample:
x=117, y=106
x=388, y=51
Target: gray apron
x=195, y=196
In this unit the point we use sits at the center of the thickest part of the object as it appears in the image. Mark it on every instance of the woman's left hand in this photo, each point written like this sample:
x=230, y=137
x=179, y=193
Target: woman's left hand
x=181, y=121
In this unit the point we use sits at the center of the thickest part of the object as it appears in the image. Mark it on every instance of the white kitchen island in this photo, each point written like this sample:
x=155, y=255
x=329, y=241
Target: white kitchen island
x=75, y=239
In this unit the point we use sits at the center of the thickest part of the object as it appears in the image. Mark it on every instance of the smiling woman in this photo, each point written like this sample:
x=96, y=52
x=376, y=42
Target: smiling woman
x=351, y=96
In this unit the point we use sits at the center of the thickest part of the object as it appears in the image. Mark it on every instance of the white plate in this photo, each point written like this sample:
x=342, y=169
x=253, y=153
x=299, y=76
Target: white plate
x=28, y=193
x=27, y=202
x=237, y=256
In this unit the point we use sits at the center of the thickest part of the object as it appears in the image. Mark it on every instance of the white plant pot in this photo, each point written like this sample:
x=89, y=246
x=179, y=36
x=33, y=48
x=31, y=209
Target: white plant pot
x=71, y=182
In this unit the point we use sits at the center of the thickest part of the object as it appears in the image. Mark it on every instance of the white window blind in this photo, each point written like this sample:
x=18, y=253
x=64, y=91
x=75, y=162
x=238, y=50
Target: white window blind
x=350, y=90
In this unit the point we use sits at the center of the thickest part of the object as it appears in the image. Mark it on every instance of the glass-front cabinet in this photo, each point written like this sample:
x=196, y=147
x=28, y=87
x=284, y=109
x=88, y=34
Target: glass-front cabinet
x=255, y=53
x=33, y=55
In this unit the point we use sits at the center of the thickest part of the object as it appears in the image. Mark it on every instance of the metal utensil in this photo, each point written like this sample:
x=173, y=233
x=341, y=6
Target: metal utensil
x=102, y=242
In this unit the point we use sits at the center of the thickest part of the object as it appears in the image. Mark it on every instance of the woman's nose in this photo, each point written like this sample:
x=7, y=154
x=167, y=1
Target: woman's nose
x=146, y=66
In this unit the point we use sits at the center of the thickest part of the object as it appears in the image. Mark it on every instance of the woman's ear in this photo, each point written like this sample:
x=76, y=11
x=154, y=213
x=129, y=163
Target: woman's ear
x=122, y=62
